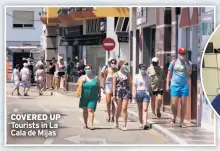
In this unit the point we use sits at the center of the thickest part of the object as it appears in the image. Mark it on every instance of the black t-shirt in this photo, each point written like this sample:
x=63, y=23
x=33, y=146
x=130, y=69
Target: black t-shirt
x=81, y=67
x=52, y=68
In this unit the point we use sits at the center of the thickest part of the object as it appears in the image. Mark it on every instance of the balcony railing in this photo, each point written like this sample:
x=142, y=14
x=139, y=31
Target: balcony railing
x=62, y=10
x=68, y=10
x=43, y=12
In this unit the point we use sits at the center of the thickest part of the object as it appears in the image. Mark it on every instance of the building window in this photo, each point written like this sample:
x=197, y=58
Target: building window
x=141, y=12
x=23, y=19
x=207, y=28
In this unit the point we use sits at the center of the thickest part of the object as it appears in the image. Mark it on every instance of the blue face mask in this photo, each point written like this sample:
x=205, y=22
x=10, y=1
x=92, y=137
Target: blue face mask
x=125, y=67
x=88, y=71
x=142, y=72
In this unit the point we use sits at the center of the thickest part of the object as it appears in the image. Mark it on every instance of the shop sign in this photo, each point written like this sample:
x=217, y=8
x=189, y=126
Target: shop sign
x=123, y=39
x=74, y=31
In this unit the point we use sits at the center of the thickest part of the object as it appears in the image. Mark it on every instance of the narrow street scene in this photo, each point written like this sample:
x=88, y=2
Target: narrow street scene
x=116, y=75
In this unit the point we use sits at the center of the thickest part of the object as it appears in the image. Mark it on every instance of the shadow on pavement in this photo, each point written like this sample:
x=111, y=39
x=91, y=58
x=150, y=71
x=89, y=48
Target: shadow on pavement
x=103, y=128
x=27, y=98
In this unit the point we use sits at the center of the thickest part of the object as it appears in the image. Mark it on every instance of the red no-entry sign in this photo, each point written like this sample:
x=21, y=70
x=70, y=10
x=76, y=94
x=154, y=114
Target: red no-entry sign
x=108, y=44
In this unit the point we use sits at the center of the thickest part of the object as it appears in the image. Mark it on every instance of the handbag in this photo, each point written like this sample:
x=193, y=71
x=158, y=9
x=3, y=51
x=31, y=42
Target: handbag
x=79, y=87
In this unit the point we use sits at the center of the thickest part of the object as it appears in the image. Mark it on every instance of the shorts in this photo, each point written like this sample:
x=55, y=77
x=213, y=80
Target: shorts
x=123, y=94
x=109, y=85
x=26, y=83
x=60, y=74
x=179, y=91
x=160, y=92
x=143, y=96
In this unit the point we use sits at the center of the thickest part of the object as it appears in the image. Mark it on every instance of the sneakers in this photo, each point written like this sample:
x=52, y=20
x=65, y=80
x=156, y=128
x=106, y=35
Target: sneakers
x=124, y=128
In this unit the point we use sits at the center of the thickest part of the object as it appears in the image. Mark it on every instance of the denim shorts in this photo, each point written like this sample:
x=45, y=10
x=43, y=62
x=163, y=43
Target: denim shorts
x=179, y=91
x=142, y=96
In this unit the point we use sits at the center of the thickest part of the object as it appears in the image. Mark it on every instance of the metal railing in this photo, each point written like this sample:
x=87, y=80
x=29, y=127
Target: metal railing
x=68, y=10
x=43, y=12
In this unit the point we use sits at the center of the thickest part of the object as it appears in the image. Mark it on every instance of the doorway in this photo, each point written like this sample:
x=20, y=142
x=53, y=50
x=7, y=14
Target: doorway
x=153, y=35
x=17, y=58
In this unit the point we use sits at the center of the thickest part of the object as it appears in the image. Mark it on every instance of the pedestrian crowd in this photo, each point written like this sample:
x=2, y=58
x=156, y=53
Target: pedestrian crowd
x=57, y=75
x=120, y=88
x=145, y=87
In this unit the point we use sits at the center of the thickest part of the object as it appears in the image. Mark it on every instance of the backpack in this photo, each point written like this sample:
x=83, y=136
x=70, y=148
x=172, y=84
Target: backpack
x=174, y=62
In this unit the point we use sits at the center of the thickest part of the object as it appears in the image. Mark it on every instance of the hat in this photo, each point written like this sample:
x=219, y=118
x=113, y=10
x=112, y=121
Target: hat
x=110, y=59
x=182, y=51
x=155, y=59
x=25, y=64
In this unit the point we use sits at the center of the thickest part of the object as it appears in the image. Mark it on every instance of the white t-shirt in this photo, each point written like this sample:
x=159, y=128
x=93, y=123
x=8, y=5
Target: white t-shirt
x=16, y=75
x=25, y=73
x=142, y=82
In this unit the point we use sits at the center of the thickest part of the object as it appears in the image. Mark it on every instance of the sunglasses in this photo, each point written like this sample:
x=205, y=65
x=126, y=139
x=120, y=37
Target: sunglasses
x=113, y=63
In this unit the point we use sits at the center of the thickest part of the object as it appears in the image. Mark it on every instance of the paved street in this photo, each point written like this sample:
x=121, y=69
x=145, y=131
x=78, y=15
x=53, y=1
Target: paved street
x=71, y=131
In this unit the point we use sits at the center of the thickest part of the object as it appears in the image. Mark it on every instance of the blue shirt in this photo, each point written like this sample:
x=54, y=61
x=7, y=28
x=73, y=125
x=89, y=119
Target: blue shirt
x=180, y=75
x=216, y=104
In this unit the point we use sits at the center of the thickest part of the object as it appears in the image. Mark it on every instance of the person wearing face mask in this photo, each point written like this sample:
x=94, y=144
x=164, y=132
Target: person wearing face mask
x=141, y=92
x=108, y=80
x=122, y=92
x=178, y=72
x=90, y=95
x=156, y=74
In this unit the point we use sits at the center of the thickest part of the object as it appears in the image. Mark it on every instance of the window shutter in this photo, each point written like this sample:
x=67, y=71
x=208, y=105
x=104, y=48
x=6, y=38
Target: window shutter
x=23, y=17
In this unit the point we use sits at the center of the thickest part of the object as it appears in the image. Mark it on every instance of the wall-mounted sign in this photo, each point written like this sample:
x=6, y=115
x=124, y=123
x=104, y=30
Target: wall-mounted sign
x=74, y=31
x=123, y=39
x=108, y=44
x=102, y=26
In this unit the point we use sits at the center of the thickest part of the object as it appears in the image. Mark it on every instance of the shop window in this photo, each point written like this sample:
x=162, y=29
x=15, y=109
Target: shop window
x=168, y=16
x=207, y=28
x=189, y=55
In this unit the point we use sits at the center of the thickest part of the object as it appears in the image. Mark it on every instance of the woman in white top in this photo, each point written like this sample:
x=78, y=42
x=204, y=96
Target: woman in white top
x=16, y=80
x=141, y=92
x=25, y=78
x=61, y=73
x=41, y=78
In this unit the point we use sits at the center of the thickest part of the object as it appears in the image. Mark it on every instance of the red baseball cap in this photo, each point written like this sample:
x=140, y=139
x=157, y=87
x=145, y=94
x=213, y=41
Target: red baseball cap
x=182, y=51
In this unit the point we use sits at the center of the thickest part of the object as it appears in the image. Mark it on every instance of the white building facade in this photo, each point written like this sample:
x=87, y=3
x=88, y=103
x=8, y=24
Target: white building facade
x=23, y=32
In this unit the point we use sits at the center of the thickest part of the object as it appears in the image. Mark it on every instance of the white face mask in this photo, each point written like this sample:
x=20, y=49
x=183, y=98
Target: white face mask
x=181, y=57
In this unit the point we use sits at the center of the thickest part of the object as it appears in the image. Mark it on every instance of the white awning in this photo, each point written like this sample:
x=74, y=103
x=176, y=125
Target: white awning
x=22, y=47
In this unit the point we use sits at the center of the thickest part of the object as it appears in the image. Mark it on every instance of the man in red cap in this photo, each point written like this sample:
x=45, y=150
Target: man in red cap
x=178, y=72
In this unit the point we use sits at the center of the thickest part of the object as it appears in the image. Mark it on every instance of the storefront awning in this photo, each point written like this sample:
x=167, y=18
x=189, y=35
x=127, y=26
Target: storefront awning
x=83, y=40
x=22, y=47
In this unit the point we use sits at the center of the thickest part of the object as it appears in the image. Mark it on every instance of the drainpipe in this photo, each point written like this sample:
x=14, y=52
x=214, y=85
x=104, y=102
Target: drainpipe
x=178, y=11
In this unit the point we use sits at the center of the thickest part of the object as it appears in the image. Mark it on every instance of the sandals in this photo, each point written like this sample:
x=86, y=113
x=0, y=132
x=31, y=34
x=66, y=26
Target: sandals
x=108, y=119
x=146, y=127
x=116, y=125
x=158, y=114
x=92, y=128
x=173, y=121
x=183, y=126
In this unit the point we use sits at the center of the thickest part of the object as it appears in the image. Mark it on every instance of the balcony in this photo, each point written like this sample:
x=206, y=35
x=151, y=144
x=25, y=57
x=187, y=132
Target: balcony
x=57, y=15
x=62, y=10
x=49, y=15
x=43, y=16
